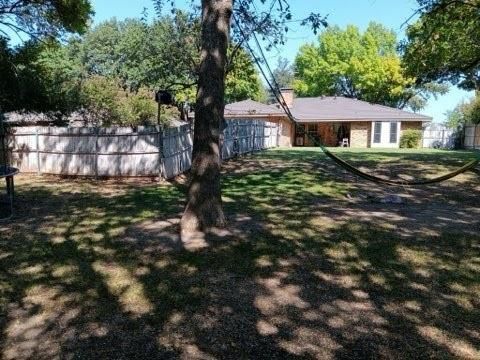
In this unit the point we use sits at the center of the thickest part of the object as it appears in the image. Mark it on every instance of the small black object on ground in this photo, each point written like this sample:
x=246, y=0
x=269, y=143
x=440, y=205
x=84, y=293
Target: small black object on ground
x=8, y=196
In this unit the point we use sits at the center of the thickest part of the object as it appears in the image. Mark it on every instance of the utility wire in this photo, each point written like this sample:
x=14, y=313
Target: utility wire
x=275, y=88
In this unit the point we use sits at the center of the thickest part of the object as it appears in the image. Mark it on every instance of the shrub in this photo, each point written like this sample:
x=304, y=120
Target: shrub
x=410, y=139
x=112, y=105
x=138, y=108
x=99, y=96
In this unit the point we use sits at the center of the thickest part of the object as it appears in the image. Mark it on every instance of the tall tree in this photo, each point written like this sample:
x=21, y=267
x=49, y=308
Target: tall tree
x=38, y=20
x=204, y=207
x=132, y=55
x=8, y=75
x=164, y=54
x=444, y=44
x=40, y=76
x=365, y=66
x=284, y=74
x=242, y=80
x=467, y=112
x=44, y=18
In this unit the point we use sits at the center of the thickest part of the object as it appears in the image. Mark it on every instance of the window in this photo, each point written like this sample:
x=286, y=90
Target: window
x=377, y=132
x=312, y=129
x=300, y=129
x=299, y=135
x=393, y=132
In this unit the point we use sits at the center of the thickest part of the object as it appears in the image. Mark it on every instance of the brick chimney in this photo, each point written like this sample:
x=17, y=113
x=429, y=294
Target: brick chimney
x=288, y=94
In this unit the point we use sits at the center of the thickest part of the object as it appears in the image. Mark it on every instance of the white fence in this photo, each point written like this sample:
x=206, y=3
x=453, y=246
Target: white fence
x=149, y=151
x=438, y=136
x=472, y=137
x=244, y=136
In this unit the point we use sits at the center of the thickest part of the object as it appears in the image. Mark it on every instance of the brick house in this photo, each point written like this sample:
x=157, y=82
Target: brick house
x=333, y=120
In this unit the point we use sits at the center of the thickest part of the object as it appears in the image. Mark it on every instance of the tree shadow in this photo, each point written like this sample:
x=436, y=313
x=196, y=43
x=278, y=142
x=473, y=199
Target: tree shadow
x=302, y=271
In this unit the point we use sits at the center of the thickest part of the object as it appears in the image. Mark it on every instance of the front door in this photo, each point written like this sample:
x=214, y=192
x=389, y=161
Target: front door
x=300, y=135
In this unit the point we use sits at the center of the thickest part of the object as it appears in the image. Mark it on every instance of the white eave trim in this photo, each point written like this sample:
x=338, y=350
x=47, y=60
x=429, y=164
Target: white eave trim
x=254, y=116
x=362, y=119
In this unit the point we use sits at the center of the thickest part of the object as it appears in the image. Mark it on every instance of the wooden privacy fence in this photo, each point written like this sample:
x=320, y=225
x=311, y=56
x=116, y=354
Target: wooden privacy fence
x=244, y=136
x=148, y=151
x=438, y=136
x=472, y=137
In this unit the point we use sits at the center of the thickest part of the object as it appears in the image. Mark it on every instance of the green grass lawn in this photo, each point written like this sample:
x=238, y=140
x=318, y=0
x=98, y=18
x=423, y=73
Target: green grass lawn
x=313, y=264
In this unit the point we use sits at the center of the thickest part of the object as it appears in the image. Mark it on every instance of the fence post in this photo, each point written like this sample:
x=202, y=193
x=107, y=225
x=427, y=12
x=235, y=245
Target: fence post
x=254, y=135
x=179, y=141
x=235, y=139
x=475, y=137
x=37, y=145
x=97, y=129
x=160, y=151
x=3, y=149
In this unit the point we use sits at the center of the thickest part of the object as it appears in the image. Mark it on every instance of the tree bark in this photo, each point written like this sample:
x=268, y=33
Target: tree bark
x=204, y=207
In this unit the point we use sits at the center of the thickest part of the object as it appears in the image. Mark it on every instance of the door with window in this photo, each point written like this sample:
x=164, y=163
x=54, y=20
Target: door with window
x=312, y=138
x=300, y=135
x=385, y=134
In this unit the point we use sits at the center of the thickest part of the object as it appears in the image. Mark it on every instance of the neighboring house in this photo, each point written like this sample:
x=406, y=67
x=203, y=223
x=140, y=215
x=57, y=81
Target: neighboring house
x=332, y=119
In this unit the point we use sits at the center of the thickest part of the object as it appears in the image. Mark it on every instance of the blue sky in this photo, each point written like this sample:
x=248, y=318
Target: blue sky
x=358, y=12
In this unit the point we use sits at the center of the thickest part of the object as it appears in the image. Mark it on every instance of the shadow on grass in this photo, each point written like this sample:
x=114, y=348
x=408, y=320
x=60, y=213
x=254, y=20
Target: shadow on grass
x=94, y=271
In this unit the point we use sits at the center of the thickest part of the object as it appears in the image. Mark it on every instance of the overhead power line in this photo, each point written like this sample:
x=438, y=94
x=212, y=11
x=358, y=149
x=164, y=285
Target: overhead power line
x=275, y=88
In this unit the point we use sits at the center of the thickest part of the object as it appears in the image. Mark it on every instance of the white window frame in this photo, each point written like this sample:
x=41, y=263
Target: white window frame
x=385, y=132
x=392, y=124
x=374, y=125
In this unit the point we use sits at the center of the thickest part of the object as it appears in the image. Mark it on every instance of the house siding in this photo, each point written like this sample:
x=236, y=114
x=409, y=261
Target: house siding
x=360, y=133
x=327, y=113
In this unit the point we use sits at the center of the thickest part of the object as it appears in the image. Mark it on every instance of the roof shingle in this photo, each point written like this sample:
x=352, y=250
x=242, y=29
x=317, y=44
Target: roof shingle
x=341, y=108
x=251, y=108
x=326, y=108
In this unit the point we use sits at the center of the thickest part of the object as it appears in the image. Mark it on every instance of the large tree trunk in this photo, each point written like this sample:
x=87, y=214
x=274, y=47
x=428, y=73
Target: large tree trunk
x=204, y=208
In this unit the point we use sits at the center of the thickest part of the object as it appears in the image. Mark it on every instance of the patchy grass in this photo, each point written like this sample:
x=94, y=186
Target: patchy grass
x=313, y=264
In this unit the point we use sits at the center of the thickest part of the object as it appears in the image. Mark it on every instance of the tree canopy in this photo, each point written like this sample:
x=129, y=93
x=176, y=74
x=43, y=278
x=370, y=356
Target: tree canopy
x=242, y=80
x=366, y=66
x=467, y=112
x=41, y=21
x=44, y=18
x=164, y=54
x=135, y=56
x=444, y=44
x=283, y=73
x=267, y=18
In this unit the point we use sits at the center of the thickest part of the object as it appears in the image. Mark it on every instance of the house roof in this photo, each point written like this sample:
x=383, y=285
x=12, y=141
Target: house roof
x=251, y=108
x=326, y=108
x=341, y=108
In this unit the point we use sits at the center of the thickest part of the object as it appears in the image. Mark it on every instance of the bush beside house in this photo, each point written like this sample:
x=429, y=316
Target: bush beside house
x=410, y=139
